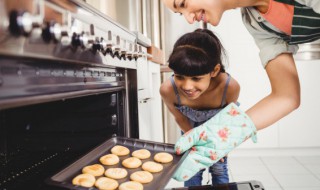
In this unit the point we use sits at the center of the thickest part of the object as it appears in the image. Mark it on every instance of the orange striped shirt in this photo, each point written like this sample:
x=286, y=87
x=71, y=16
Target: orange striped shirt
x=280, y=15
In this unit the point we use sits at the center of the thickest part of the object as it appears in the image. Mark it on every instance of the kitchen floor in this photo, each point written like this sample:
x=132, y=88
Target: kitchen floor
x=275, y=169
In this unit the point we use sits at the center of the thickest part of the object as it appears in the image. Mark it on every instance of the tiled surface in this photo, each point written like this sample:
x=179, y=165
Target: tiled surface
x=274, y=172
x=278, y=172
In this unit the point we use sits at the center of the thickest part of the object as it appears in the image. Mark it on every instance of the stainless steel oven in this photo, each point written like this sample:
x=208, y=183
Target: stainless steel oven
x=68, y=82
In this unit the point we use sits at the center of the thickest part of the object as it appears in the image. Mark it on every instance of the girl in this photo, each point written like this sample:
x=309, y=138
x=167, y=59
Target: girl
x=277, y=27
x=199, y=88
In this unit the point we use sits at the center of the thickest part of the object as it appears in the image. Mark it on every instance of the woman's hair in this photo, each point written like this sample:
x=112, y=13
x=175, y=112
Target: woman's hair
x=196, y=53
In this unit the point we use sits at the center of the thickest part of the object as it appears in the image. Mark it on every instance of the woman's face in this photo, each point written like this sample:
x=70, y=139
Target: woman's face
x=192, y=87
x=209, y=11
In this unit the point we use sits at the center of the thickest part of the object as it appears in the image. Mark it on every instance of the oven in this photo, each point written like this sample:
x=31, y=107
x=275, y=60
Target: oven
x=68, y=82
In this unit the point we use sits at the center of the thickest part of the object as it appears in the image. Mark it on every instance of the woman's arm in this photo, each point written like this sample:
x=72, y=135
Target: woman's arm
x=285, y=92
x=168, y=96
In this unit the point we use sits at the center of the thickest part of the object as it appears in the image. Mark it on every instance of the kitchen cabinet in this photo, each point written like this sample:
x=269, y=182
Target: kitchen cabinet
x=143, y=79
x=150, y=108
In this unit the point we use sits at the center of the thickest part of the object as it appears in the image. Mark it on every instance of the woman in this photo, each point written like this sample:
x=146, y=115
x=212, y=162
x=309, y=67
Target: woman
x=277, y=27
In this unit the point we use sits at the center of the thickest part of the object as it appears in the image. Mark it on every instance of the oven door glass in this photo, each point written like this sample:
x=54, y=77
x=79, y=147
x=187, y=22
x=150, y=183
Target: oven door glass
x=38, y=140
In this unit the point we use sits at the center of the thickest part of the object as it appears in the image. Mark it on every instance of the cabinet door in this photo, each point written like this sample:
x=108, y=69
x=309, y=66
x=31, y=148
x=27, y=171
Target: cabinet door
x=144, y=120
x=150, y=109
x=143, y=78
x=301, y=127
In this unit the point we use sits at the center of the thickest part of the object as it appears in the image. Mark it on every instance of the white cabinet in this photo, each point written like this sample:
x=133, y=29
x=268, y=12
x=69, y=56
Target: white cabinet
x=143, y=77
x=150, y=110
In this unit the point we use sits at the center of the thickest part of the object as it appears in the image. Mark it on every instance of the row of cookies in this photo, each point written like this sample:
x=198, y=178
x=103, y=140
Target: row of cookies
x=109, y=182
x=105, y=183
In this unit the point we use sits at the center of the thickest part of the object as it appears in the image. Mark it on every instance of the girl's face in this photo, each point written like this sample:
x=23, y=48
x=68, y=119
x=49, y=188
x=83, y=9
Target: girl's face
x=209, y=11
x=192, y=87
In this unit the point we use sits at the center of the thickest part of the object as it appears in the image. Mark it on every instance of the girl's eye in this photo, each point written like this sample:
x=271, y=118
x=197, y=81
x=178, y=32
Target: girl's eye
x=181, y=5
x=179, y=77
x=196, y=79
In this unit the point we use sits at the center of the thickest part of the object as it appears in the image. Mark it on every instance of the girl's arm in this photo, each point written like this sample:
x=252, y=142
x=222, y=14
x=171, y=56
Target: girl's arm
x=168, y=96
x=284, y=96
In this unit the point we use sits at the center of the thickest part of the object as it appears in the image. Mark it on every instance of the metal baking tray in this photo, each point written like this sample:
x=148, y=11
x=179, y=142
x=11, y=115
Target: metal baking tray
x=160, y=179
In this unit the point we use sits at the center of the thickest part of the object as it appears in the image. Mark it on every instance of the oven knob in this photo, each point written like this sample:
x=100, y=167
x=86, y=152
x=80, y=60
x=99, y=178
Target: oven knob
x=129, y=53
x=129, y=56
x=76, y=40
x=51, y=31
x=20, y=23
x=135, y=54
x=65, y=37
x=117, y=53
x=98, y=45
x=87, y=41
x=140, y=52
x=123, y=55
x=108, y=50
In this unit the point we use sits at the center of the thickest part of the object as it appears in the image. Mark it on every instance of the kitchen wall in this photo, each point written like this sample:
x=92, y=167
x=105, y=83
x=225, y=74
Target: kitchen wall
x=300, y=128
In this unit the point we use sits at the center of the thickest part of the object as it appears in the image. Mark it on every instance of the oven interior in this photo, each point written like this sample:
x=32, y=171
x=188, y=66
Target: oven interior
x=52, y=113
x=37, y=140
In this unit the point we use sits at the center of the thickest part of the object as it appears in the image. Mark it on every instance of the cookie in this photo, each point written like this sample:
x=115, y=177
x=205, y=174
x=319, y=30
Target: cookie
x=132, y=162
x=141, y=154
x=120, y=150
x=95, y=170
x=84, y=180
x=141, y=176
x=104, y=183
x=152, y=167
x=131, y=185
x=109, y=159
x=163, y=157
x=116, y=173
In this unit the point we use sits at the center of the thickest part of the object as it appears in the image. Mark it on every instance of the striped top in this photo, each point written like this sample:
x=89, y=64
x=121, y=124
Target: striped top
x=300, y=23
x=285, y=24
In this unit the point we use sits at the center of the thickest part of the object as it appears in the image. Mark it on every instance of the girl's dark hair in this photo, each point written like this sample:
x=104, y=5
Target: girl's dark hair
x=196, y=53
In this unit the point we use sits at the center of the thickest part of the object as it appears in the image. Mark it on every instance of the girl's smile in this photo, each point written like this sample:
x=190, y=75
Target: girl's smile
x=191, y=93
x=192, y=87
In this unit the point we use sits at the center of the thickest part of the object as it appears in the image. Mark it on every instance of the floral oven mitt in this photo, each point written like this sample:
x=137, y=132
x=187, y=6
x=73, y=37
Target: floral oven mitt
x=212, y=140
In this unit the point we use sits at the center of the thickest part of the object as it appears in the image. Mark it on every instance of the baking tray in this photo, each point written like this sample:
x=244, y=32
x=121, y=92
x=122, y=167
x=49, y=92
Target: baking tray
x=160, y=179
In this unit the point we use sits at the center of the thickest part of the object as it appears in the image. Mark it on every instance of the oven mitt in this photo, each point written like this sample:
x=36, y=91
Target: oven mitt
x=212, y=140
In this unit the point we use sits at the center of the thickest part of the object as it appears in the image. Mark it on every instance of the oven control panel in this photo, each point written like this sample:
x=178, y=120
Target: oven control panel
x=66, y=30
